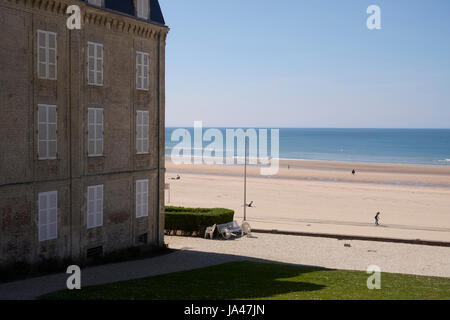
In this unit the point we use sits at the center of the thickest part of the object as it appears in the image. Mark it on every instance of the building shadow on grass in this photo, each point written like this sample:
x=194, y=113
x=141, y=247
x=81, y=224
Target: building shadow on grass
x=192, y=275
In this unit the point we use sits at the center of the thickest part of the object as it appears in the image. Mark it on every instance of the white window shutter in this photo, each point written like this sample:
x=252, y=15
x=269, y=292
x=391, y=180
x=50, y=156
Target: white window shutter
x=95, y=206
x=47, y=132
x=95, y=132
x=142, y=70
x=99, y=206
x=48, y=215
x=145, y=128
x=47, y=55
x=141, y=198
x=91, y=63
x=95, y=63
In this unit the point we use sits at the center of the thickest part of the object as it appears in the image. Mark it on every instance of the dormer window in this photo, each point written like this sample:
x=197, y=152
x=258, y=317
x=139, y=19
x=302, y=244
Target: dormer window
x=142, y=9
x=97, y=3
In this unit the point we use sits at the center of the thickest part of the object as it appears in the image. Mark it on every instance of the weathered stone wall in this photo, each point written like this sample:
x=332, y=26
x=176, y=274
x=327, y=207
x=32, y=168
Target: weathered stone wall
x=23, y=176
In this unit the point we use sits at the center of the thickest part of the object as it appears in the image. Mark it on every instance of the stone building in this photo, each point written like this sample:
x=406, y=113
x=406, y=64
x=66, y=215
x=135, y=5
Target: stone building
x=82, y=128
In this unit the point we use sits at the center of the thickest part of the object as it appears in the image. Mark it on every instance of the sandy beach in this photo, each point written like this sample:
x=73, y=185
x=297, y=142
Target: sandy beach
x=324, y=197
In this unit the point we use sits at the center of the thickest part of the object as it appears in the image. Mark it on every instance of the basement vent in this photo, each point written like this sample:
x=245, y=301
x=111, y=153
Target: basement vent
x=95, y=252
x=142, y=239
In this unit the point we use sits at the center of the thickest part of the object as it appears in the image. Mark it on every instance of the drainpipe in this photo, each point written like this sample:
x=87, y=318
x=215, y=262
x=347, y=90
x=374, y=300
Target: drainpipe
x=158, y=173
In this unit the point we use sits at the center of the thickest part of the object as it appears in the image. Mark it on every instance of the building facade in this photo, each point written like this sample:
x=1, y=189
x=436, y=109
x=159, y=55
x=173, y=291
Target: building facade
x=82, y=133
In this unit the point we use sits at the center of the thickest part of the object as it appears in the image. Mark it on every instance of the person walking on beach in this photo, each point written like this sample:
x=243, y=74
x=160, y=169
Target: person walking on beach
x=377, y=218
x=353, y=172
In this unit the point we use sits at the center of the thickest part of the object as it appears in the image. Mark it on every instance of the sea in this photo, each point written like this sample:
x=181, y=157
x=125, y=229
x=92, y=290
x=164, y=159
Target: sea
x=404, y=146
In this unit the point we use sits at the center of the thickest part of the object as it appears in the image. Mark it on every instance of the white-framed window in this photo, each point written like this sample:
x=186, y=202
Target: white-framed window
x=142, y=9
x=47, y=130
x=46, y=55
x=142, y=70
x=141, y=198
x=97, y=3
x=95, y=132
x=48, y=215
x=142, y=134
x=95, y=206
x=95, y=63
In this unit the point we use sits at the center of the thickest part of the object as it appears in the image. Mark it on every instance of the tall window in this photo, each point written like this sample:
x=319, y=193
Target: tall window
x=142, y=70
x=141, y=198
x=95, y=132
x=46, y=55
x=95, y=63
x=48, y=215
x=142, y=127
x=97, y=3
x=95, y=206
x=46, y=132
x=142, y=9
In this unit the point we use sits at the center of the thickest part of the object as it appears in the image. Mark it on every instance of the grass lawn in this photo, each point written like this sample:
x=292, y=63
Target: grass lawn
x=253, y=280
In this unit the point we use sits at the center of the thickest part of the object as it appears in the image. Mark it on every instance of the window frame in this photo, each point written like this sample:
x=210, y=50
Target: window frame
x=95, y=139
x=93, y=82
x=143, y=113
x=139, y=206
x=47, y=49
x=47, y=140
x=45, y=211
x=96, y=212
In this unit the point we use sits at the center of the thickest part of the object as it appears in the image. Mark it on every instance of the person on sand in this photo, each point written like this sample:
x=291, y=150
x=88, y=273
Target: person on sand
x=377, y=218
x=250, y=205
x=353, y=172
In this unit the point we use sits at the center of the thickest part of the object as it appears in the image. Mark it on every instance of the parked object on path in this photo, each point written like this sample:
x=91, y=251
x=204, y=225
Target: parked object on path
x=227, y=230
x=210, y=232
x=348, y=245
x=246, y=229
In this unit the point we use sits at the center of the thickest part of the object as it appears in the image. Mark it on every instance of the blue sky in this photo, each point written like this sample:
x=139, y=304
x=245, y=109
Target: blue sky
x=298, y=63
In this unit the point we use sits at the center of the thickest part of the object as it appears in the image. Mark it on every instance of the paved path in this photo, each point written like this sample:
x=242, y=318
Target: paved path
x=197, y=253
x=329, y=253
x=346, y=223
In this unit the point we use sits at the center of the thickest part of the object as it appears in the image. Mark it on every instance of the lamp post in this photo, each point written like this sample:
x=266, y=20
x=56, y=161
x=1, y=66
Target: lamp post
x=245, y=178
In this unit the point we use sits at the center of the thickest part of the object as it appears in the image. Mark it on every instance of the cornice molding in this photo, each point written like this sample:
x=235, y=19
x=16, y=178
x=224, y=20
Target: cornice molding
x=98, y=17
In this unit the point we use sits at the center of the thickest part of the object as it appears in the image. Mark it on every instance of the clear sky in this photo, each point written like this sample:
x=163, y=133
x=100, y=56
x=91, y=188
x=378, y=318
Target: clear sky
x=307, y=63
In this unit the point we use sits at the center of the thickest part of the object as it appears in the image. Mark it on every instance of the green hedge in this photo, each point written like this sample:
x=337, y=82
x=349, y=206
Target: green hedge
x=195, y=219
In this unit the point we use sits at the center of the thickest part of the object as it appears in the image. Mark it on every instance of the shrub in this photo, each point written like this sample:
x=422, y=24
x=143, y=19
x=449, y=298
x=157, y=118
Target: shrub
x=195, y=219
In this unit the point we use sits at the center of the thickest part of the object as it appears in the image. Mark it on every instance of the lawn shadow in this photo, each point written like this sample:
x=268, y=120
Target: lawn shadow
x=195, y=275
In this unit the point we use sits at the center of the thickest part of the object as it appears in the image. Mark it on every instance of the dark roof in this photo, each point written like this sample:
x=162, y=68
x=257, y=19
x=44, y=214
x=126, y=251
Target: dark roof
x=127, y=7
x=155, y=12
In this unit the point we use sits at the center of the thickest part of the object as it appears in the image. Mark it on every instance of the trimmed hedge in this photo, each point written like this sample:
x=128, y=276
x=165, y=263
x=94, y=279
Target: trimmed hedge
x=195, y=219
